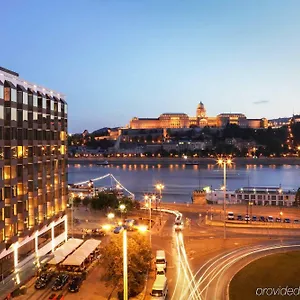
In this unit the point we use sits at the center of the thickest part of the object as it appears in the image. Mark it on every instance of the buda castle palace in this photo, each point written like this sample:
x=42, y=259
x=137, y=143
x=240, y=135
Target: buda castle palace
x=182, y=120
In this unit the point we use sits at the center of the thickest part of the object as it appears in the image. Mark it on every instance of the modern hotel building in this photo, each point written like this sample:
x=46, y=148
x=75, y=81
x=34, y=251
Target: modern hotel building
x=33, y=173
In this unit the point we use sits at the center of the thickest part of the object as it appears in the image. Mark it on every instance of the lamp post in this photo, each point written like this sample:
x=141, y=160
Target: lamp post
x=125, y=262
x=146, y=197
x=224, y=161
x=251, y=204
x=160, y=187
x=122, y=207
x=72, y=212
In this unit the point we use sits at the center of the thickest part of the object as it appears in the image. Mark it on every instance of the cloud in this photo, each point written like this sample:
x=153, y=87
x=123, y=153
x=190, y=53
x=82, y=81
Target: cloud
x=261, y=102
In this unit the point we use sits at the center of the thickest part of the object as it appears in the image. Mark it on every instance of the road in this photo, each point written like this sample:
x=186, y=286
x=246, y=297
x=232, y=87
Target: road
x=179, y=274
x=213, y=277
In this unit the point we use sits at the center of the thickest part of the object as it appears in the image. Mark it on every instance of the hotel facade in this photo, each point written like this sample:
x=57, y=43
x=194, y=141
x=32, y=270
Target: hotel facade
x=182, y=120
x=33, y=173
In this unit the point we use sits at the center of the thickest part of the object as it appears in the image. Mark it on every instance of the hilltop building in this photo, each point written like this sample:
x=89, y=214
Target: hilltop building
x=182, y=120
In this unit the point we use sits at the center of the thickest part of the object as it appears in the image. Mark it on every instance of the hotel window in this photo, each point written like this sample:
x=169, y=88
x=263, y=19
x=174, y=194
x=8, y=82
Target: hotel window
x=13, y=95
x=13, y=114
x=51, y=104
x=25, y=98
x=35, y=101
x=59, y=107
x=1, y=91
x=1, y=112
x=25, y=115
x=44, y=103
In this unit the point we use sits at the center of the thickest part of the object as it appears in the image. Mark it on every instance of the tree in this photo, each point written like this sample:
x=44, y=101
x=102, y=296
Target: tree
x=76, y=201
x=139, y=258
x=86, y=201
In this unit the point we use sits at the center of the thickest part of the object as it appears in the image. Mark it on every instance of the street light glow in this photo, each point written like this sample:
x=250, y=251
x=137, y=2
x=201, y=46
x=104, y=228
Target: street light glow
x=142, y=228
x=111, y=215
x=160, y=186
x=122, y=207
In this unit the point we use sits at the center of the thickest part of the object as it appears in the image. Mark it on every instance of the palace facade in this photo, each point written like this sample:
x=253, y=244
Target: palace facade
x=182, y=120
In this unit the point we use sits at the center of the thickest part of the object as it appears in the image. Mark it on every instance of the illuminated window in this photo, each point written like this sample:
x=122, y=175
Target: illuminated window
x=20, y=151
x=62, y=149
x=35, y=101
x=62, y=136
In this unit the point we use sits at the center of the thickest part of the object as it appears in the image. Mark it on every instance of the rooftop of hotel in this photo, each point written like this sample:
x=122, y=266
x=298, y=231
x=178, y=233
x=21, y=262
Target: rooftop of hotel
x=13, y=78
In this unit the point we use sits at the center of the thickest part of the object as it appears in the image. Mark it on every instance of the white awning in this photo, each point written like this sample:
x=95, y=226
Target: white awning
x=56, y=260
x=62, y=252
x=78, y=257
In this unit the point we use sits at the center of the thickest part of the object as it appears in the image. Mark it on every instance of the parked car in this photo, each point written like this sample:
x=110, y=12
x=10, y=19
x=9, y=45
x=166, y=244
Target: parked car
x=278, y=220
x=230, y=215
x=75, y=284
x=43, y=280
x=270, y=219
x=247, y=218
x=118, y=229
x=239, y=218
x=296, y=221
x=262, y=219
x=254, y=218
x=60, y=282
x=287, y=220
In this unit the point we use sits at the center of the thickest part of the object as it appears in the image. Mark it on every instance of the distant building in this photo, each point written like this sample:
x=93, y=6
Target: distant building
x=182, y=120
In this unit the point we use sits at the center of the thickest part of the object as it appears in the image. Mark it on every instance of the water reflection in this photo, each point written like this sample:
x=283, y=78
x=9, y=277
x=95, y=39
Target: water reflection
x=180, y=180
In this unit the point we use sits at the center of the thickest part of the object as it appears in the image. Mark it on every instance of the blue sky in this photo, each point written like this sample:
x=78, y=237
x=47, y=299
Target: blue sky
x=119, y=59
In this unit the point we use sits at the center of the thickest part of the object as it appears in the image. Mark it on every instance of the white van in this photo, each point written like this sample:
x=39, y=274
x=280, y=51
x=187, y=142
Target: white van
x=160, y=288
x=160, y=260
x=230, y=215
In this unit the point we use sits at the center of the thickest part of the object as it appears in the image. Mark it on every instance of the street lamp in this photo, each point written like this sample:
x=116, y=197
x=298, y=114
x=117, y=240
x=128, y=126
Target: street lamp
x=224, y=161
x=125, y=261
x=111, y=215
x=160, y=187
x=125, y=275
x=149, y=200
x=250, y=203
x=122, y=207
x=72, y=212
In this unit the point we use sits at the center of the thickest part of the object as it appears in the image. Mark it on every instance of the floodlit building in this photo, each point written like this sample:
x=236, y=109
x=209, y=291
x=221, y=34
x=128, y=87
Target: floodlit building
x=182, y=120
x=33, y=177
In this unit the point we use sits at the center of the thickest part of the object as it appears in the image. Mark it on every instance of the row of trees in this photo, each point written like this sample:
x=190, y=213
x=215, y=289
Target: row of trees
x=106, y=201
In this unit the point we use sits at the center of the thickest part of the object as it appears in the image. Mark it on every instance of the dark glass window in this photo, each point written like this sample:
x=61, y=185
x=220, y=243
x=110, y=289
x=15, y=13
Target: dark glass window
x=26, y=250
x=59, y=229
x=44, y=238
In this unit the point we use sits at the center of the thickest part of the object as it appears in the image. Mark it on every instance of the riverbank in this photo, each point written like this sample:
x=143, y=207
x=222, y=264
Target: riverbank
x=241, y=161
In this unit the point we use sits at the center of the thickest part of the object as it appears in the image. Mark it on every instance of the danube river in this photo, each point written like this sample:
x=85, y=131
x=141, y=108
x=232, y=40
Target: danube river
x=180, y=180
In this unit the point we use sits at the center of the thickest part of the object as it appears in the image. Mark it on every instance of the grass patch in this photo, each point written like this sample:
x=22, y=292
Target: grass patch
x=277, y=270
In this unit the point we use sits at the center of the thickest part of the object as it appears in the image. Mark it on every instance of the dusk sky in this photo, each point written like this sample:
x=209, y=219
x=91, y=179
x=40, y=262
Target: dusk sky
x=119, y=59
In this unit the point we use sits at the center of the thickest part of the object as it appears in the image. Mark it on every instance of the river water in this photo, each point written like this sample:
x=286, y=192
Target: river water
x=180, y=180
